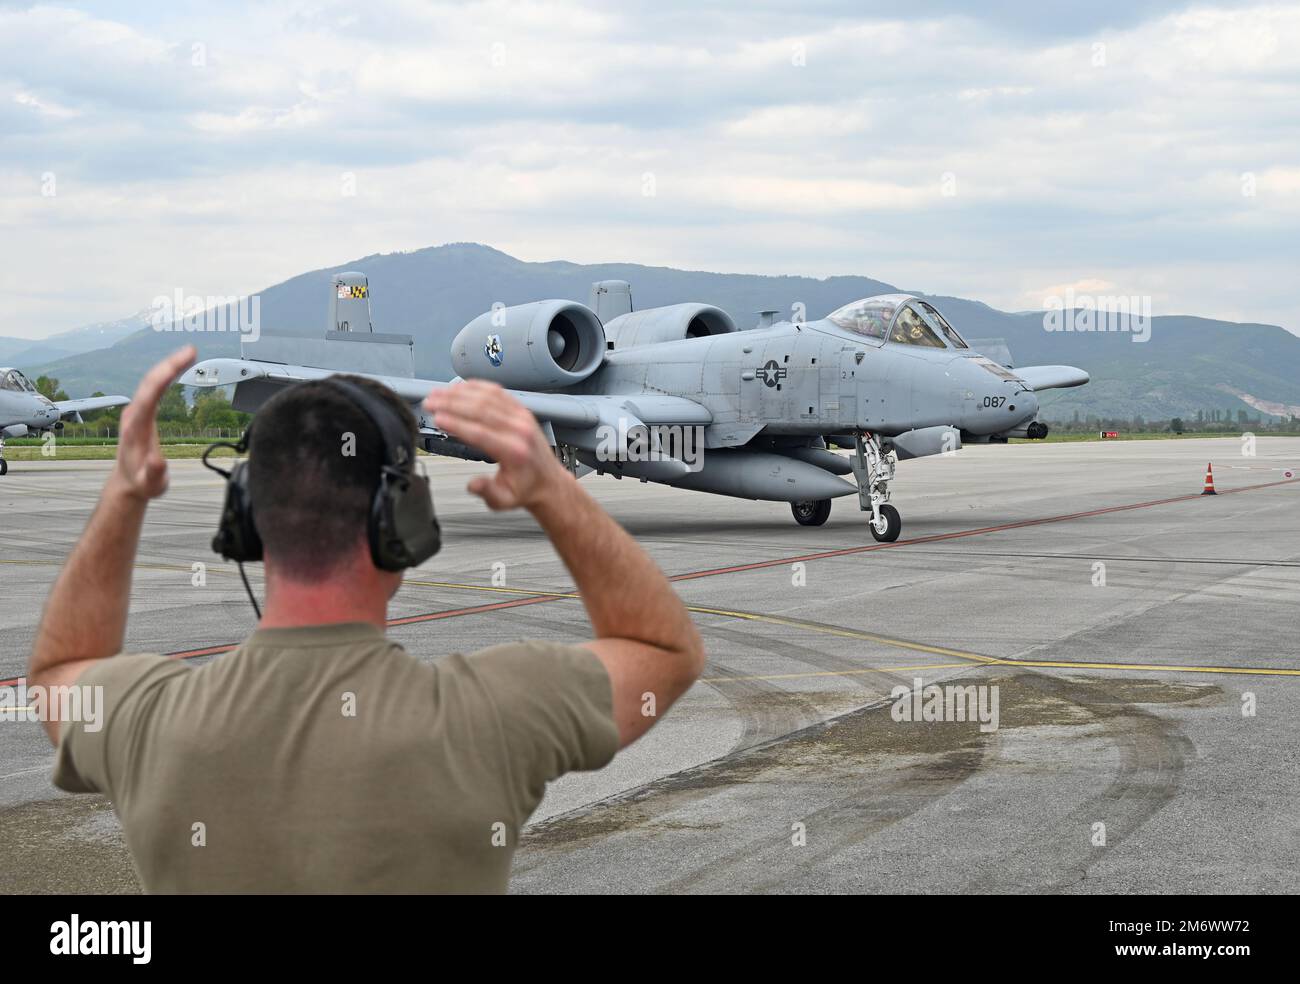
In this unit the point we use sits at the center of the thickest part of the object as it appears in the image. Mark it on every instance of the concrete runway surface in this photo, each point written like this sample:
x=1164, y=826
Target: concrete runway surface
x=783, y=770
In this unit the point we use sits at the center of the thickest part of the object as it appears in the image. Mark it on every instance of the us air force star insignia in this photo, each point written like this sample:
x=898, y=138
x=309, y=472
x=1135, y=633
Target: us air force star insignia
x=771, y=373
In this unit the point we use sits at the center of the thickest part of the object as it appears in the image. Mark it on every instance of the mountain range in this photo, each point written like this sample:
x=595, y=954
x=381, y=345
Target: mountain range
x=1187, y=364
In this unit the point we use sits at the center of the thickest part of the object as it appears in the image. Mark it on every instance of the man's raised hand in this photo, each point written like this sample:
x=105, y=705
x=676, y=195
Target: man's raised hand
x=486, y=416
x=141, y=470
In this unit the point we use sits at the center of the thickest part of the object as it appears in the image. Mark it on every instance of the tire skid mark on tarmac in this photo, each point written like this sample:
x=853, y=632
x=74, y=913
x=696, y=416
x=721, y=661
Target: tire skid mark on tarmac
x=771, y=711
x=1152, y=752
x=769, y=714
x=885, y=798
x=765, y=710
x=750, y=692
x=891, y=772
x=774, y=780
x=865, y=678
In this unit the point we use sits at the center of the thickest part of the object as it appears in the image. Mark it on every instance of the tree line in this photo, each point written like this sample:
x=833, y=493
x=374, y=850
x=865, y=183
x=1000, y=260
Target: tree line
x=210, y=410
x=1213, y=422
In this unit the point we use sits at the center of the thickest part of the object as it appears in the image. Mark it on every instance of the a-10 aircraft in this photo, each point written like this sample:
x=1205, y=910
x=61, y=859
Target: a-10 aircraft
x=24, y=411
x=680, y=396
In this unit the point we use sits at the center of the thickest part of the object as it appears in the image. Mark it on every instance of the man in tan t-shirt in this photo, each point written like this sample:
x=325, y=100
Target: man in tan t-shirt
x=318, y=756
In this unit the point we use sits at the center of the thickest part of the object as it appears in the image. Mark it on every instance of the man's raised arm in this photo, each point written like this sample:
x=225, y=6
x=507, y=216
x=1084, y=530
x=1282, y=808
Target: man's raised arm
x=85, y=615
x=644, y=635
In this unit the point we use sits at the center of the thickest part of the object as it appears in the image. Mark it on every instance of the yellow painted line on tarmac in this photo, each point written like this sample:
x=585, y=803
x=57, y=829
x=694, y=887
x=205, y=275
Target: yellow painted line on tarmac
x=176, y=568
x=850, y=634
x=1167, y=668
x=970, y=657
x=750, y=617
x=487, y=587
x=833, y=673
x=747, y=616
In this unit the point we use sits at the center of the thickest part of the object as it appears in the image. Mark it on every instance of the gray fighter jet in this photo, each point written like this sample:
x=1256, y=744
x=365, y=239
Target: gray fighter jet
x=681, y=396
x=24, y=411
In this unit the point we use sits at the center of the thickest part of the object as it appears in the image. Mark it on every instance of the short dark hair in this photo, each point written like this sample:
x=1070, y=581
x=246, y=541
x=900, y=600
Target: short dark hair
x=313, y=467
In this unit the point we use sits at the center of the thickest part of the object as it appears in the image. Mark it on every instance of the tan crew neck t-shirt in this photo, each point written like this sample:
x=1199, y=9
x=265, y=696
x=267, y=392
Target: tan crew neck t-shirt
x=327, y=759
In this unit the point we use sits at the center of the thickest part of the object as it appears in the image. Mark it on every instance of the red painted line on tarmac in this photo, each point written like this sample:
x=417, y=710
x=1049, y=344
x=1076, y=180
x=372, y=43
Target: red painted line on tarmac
x=958, y=534
x=405, y=620
x=208, y=651
x=779, y=562
x=495, y=606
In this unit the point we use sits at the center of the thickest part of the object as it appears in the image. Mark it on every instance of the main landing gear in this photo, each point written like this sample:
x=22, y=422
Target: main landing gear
x=873, y=469
x=813, y=512
x=4, y=465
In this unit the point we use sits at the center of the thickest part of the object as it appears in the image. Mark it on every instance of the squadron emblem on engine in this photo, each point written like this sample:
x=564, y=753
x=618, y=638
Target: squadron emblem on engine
x=493, y=349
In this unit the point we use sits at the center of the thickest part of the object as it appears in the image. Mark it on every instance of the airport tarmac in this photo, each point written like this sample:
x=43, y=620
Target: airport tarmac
x=1142, y=639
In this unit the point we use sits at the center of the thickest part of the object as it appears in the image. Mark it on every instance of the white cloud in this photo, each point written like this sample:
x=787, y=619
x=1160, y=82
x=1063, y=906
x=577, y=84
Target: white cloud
x=531, y=126
x=44, y=107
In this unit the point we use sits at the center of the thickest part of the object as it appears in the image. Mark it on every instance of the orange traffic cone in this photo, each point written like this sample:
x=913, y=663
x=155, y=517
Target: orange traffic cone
x=1209, y=480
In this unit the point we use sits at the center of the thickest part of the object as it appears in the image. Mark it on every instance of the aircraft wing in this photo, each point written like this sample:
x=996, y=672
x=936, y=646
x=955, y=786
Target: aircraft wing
x=578, y=416
x=74, y=407
x=1051, y=377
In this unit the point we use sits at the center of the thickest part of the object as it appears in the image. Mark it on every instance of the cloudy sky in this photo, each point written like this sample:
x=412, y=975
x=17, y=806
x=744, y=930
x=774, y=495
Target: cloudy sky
x=1120, y=146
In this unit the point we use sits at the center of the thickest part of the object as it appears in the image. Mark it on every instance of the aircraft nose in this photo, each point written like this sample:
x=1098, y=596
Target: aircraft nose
x=1026, y=407
x=993, y=403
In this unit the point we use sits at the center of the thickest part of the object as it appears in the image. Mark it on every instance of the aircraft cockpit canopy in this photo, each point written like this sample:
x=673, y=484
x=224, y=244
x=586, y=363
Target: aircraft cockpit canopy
x=871, y=317
x=13, y=381
x=939, y=321
x=898, y=318
x=911, y=328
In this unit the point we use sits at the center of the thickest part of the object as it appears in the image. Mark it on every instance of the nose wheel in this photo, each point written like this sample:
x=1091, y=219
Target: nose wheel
x=813, y=512
x=891, y=524
x=873, y=469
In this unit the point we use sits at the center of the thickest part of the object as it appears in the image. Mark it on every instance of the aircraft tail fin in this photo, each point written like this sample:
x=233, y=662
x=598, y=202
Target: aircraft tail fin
x=350, y=302
x=350, y=342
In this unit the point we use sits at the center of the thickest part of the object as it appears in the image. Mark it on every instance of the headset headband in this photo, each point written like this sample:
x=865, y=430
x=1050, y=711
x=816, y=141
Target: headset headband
x=395, y=435
x=401, y=528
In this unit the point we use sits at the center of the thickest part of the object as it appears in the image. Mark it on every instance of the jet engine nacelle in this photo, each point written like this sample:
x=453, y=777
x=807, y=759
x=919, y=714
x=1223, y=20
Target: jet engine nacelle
x=537, y=346
x=14, y=430
x=668, y=324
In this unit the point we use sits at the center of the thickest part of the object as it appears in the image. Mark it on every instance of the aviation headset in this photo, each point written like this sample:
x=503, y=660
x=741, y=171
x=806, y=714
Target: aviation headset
x=402, y=529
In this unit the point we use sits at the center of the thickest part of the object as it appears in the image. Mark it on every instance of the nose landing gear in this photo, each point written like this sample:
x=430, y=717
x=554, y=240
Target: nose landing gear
x=873, y=469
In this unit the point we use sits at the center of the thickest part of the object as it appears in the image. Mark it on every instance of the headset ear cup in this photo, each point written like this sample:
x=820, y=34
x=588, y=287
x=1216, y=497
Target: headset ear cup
x=416, y=524
x=237, y=538
x=380, y=530
x=403, y=529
